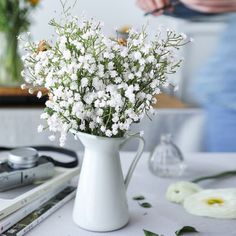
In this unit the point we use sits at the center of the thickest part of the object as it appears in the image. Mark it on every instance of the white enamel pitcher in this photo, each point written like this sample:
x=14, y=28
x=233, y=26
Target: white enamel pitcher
x=101, y=203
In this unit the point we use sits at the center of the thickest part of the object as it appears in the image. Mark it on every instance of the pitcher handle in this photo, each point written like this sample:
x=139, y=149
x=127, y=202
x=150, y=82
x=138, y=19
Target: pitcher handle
x=136, y=158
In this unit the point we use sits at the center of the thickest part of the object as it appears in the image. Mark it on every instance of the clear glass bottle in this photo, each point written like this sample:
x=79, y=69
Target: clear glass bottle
x=166, y=160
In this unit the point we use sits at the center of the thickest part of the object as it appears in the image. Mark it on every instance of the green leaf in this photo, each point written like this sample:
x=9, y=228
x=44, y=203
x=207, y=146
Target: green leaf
x=145, y=205
x=138, y=198
x=149, y=233
x=49, y=111
x=220, y=175
x=185, y=229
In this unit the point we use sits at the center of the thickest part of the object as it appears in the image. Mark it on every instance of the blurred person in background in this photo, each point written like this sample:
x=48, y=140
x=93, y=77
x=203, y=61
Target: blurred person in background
x=215, y=86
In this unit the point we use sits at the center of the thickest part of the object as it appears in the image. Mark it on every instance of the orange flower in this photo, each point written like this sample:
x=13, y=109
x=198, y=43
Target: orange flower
x=34, y=2
x=43, y=46
x=122, y=42
x=124, y=29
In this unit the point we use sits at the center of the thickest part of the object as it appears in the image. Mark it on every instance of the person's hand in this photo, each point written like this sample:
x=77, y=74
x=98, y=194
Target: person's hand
x=207, y=6
x=150, y=5
x=211, y=6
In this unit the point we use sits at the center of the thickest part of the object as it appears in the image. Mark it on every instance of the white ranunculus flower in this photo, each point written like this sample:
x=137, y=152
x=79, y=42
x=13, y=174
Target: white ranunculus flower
x=177, y=192
x=216, y=203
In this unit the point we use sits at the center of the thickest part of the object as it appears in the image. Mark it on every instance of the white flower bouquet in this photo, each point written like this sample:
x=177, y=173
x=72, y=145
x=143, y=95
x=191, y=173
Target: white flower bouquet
x=99, y=85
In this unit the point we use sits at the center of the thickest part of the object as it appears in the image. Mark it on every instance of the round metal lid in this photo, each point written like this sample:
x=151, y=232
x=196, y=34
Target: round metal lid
x=24, y=157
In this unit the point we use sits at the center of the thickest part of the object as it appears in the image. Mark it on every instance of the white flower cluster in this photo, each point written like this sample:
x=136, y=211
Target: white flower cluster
x=96, y=84
x=215, y=203
x=178, y=192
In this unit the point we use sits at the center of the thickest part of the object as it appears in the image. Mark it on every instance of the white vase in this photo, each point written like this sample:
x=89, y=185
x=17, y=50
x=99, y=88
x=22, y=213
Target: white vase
x=101, y=203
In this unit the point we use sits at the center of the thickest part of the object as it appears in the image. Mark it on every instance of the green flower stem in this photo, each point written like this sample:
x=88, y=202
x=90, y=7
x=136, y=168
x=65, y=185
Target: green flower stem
x=220, y=175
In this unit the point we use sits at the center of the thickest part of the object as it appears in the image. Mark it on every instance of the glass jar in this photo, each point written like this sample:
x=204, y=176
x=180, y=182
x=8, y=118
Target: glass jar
x=166, y=160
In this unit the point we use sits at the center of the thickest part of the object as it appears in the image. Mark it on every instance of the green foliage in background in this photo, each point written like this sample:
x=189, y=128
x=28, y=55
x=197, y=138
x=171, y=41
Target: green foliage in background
x=14, y=15
x=14, y=19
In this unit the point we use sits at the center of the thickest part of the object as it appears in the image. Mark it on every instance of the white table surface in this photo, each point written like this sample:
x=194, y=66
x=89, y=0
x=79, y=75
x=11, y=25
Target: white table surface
x=164, y=217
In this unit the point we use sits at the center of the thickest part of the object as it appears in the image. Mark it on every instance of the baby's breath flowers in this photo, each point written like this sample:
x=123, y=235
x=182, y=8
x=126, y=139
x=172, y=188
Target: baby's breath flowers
x=99, y=85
